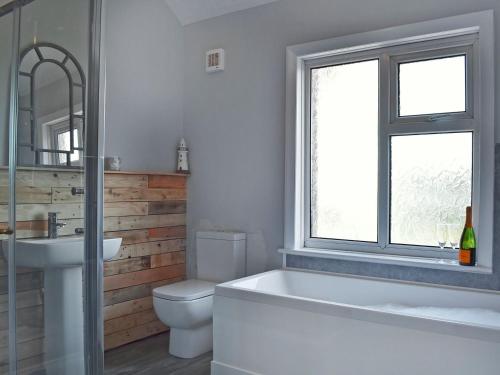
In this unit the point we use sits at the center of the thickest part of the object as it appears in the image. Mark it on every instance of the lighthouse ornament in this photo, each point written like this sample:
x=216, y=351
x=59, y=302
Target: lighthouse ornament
x=182, y=157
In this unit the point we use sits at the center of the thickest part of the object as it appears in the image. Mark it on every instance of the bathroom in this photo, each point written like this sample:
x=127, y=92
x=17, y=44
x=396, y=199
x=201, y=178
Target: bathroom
x=249, y=187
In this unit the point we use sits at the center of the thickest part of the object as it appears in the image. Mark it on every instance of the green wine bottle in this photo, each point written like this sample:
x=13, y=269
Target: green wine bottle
x=467, y=253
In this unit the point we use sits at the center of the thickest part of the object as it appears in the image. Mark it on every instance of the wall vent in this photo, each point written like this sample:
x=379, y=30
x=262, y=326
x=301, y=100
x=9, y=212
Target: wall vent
x=215, y=61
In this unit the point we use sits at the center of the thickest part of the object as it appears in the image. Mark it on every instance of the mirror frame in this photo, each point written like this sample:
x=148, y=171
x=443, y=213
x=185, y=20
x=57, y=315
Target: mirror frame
x=73, y=79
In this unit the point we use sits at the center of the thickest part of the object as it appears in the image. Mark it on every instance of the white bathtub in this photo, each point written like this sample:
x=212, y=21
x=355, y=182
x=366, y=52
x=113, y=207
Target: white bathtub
x=306, y=323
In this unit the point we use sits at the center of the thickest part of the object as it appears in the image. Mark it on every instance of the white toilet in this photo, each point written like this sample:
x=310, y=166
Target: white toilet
x=186, y=306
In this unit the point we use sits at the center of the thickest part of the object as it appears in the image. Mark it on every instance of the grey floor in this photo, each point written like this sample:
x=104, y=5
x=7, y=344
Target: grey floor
x=150, y=357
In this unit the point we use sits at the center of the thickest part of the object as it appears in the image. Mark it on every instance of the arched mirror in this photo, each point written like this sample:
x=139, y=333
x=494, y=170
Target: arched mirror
x=51, y=121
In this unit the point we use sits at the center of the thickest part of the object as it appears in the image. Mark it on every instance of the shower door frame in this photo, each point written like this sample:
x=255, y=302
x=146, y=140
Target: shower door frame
x=94, y=172
x=93, y=267
x=13, y=114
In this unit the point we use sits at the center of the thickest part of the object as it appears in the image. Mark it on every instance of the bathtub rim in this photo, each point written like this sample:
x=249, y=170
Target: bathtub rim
x=363, y=313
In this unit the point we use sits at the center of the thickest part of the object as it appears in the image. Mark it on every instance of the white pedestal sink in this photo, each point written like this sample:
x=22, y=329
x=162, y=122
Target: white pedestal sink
x=61, y=260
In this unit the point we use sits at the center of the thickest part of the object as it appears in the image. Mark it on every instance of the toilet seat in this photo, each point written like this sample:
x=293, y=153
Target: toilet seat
x=188, y=290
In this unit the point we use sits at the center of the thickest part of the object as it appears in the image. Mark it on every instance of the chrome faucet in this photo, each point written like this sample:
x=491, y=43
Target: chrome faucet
x=54, y=224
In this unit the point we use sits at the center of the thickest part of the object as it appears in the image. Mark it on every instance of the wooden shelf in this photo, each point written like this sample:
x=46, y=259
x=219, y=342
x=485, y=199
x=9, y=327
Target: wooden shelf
x=149, y=173
x=76, y=170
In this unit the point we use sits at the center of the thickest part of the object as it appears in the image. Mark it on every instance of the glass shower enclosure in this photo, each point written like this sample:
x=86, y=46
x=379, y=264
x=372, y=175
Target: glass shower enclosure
x=50, y=187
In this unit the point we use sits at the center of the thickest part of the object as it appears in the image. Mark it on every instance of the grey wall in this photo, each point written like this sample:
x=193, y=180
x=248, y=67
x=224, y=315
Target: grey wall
x=234, y=121
x=144, y=49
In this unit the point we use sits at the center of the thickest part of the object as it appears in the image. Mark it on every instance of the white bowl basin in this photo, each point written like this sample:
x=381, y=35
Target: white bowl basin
x=56, y=253
x=61, y=260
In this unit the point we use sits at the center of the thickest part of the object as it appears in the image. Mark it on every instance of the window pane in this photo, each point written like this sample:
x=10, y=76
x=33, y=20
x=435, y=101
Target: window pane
x=432, y=86
x=431, y=181
x=63, y=143
x=344, y=151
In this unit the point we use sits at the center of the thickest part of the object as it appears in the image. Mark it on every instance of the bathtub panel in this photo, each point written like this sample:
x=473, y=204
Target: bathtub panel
x=294, y=322
x=268, y=339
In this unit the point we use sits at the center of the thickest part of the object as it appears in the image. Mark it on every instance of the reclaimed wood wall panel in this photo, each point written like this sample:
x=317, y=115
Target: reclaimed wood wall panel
x=152, y=252
x=168, y=207
x=116, y=180
x=44, y=178
x=148, y=195
x=128, y=321
x=135, y=333
x=147, y=210
x=150, y=248
x=27, y=195
x=128, y=307
x=142, y=277
x=159, y=181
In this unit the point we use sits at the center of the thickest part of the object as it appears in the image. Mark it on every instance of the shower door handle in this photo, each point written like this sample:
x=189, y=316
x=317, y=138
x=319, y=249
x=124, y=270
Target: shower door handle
x=6, y=231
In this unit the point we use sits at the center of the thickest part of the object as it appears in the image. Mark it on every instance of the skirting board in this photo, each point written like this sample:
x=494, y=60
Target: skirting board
x=219, y=368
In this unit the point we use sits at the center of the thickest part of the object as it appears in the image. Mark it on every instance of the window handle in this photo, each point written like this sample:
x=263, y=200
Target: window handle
x=438, y=118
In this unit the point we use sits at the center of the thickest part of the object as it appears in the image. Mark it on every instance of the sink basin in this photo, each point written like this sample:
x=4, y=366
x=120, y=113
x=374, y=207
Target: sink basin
x=61, y=260
x=58, y=252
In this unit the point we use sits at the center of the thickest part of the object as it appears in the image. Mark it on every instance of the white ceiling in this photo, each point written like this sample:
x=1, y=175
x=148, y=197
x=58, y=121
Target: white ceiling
x=191, y=11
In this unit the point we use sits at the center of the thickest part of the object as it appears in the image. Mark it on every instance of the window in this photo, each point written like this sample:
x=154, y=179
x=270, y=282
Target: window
x=344, y=210
x=64, y=142
x=389, y=141
x=56, y=136
x=432, y=86
x=431, y=183
x=428, y=145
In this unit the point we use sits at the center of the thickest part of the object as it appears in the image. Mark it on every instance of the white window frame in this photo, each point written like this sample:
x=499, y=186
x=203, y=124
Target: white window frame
x=54, y=124
x=470, y=34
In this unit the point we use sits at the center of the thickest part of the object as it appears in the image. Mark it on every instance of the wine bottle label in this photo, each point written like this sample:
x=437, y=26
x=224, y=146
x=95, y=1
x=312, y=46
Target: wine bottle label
x=465, y=257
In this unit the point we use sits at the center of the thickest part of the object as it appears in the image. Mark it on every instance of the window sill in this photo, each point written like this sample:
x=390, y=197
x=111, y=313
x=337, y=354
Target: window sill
x=399, y=260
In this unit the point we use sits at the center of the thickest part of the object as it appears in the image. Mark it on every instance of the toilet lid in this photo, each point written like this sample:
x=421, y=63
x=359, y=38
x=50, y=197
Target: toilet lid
x=185, y=290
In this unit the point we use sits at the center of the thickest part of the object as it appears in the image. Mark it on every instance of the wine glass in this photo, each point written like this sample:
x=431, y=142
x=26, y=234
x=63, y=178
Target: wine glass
x=454, y=234
x=442, y=235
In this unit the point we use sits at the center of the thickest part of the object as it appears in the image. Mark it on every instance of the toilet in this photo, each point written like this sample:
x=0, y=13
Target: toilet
x=186, y=306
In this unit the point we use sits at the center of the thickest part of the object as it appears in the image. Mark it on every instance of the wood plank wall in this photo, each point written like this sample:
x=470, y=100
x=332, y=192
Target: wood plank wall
x=147, y=210
x=153, y=252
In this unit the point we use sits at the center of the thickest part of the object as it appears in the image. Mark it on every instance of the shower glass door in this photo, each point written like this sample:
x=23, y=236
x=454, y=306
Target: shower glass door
x=45, y=321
